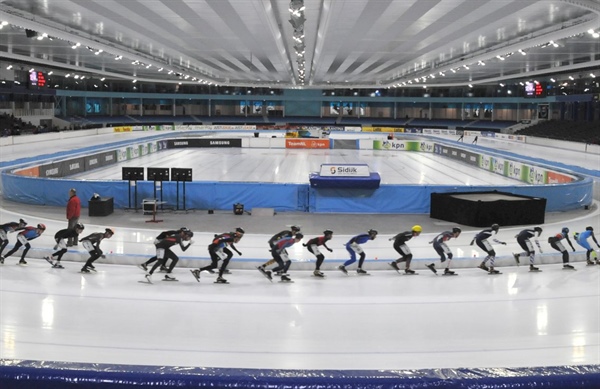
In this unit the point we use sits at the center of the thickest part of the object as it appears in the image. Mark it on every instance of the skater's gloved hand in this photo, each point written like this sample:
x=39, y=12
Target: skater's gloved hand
x=574, y=250
x=390, y=239
x=472, y=242
x=239, y=253
x=55, y=247
x=503, y=243
x=103, y=256
x=304, y=244
x=330, y=250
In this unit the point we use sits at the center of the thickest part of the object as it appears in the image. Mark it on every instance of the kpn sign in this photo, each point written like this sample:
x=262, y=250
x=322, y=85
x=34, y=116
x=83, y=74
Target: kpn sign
x=344, y=170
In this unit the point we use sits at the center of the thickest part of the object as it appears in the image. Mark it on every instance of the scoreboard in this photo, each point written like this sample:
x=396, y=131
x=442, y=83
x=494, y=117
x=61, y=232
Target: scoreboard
x=37, y=79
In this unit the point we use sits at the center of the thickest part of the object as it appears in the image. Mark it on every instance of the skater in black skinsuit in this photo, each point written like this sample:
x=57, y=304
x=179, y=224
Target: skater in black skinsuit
x=523, y=240
x=61, y=238
x=481, y=239
x=92, y=244
x=157, y=240
x=274, y=239
x=218, y=250
x=402, y=249
x=440, y=247
x=556, y=244
x=313, y=246
x=5, y=229
x=163, y=252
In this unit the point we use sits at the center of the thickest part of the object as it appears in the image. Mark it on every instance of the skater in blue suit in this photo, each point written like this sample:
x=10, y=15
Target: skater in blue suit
x=581, y=239
x=353, y=247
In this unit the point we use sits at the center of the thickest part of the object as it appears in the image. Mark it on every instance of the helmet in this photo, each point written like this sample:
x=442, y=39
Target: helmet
x=41, y=226
x=372, y=232
x=417, y=228
x=240, y=230
x=299, y=236
x=538, y=229
x=565, y=230
x=495, y=227
x=295, y=228
x=22, y=222
x=79, y=226
x=188, y=233
x=589, y=228
x=328, y=232
x=456, y=230
x=109, y=231
x=184, y=229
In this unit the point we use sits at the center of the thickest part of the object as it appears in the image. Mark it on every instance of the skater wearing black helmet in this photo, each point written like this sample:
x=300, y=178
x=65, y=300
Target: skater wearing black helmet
x=313, y=246
x=353, y=247
x=61, y=238
x=440, y=247
x=556, y=244
x=523, y=240
x=218, y=250
x=481, y=239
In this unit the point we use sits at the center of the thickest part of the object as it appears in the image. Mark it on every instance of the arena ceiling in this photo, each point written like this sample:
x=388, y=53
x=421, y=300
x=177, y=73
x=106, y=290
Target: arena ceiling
x=305, y=43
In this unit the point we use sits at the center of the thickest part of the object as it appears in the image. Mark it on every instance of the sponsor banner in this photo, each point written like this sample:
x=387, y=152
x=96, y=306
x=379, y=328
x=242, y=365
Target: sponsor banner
x=181, y=127
x=383, y=129
x=152, y=147
x=220, y=127
x=558, y=178
x=413, y=130
x=537, y=175
x=33, y=171
x=194, y=142
x=51, y=170
x=138, y=128
x=123, y=129
x=149, y=128
x=92, y=162
x=143, y=149
x=72, y=166
x=403, y=145
x=516, y=171
x=344, y=170
x=133, y=152
x=515, y=138
x=352, y=128
x=437, y=131
x=457, y=154
x=108, y=157
x=468, y=157
x=307, y=143
x=162, y=145
x=485, y=162
x=499, y=166
x=167, y=127
x=121, y=154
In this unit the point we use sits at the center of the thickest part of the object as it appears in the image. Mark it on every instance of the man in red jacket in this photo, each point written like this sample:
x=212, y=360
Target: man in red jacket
x=73, y=212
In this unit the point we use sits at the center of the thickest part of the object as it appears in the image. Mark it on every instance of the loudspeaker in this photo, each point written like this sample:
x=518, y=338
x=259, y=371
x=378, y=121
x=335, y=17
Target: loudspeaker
x=158, y=174
x=133, y=173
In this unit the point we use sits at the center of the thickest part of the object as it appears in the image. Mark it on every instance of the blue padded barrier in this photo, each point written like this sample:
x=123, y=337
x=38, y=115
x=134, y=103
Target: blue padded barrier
x=199, y=195
x=416, y=198
x=59, y=375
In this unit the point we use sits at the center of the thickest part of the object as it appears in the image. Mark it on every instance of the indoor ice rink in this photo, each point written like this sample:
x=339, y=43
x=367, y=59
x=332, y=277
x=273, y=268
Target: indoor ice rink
x=256, y=106
x=382, y=321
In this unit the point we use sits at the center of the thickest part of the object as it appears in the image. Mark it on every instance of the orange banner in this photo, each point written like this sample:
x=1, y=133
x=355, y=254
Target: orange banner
x=557, y=178
x=33, y=171
x=307, y=143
